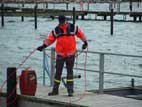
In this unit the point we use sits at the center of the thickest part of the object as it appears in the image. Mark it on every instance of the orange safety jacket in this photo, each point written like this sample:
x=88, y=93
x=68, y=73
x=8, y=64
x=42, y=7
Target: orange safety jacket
x=65, y=37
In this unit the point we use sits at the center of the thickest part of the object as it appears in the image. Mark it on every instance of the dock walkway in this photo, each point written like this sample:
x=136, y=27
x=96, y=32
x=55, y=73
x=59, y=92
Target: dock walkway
x=80, y=99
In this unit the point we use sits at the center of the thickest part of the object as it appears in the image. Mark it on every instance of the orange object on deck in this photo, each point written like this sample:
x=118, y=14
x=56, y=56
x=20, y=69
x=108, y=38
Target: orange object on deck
x=28, y=82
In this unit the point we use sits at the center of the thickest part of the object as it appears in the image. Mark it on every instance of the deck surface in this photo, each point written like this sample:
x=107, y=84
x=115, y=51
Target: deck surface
x=85, y=99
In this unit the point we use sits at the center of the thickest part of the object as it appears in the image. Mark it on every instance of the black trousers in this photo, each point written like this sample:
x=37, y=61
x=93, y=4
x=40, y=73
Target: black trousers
x=69, y=61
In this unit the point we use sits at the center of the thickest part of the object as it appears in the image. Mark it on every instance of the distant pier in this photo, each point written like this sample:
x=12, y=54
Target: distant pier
x=29, y=12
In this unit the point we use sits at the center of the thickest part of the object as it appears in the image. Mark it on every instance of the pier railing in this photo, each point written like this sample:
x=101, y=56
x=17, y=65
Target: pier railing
x=101, y=70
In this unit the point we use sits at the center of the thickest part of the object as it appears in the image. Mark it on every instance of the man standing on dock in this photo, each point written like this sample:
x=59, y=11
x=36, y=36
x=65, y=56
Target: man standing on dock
x=64, y=34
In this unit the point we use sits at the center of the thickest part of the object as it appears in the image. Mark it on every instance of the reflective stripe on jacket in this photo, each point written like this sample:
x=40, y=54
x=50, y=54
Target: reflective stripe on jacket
x=65, y=36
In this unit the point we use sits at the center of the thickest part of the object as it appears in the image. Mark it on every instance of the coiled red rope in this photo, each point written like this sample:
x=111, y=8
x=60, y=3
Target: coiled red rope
x=85, y=83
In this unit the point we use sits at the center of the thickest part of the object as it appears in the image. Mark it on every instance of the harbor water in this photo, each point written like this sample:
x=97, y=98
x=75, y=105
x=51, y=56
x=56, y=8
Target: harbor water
x=18, y=39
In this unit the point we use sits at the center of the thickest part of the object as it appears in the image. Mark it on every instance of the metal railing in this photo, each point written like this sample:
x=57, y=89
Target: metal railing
x=101, y=70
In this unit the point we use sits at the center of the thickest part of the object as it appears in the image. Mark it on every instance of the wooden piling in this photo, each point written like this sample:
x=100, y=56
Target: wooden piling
x=74, y=16
x=67, y=6
x=35, y=16
x=132, y=83
x=111, y=19
x=22, y=17
x=88, y=6
x=124, y=17
x=47, y=5
x=82, y=17
x=11, y=87
x=52, y=17
x=140, y=18
x=110, y=6
x=2, y=14
x=105, y=17
x=77, y=17
x=130, y=5
x=138, y=3
x=135, y=18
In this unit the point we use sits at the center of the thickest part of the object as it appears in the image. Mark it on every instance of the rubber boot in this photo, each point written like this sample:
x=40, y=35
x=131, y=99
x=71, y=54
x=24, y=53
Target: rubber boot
x=70, y=89
x=70, y=93
x=54, y=90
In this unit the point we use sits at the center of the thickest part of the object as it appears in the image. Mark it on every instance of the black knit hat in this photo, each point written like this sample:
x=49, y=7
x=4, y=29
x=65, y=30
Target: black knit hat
x=62, y=19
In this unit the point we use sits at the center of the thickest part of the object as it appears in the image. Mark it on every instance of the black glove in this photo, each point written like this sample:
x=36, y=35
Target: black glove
x=40, y=48
x=85, y=45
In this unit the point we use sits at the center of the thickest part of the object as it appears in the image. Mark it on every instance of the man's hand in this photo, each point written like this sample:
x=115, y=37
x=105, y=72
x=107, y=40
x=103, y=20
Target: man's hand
x=40, y=48
x=85, y=45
